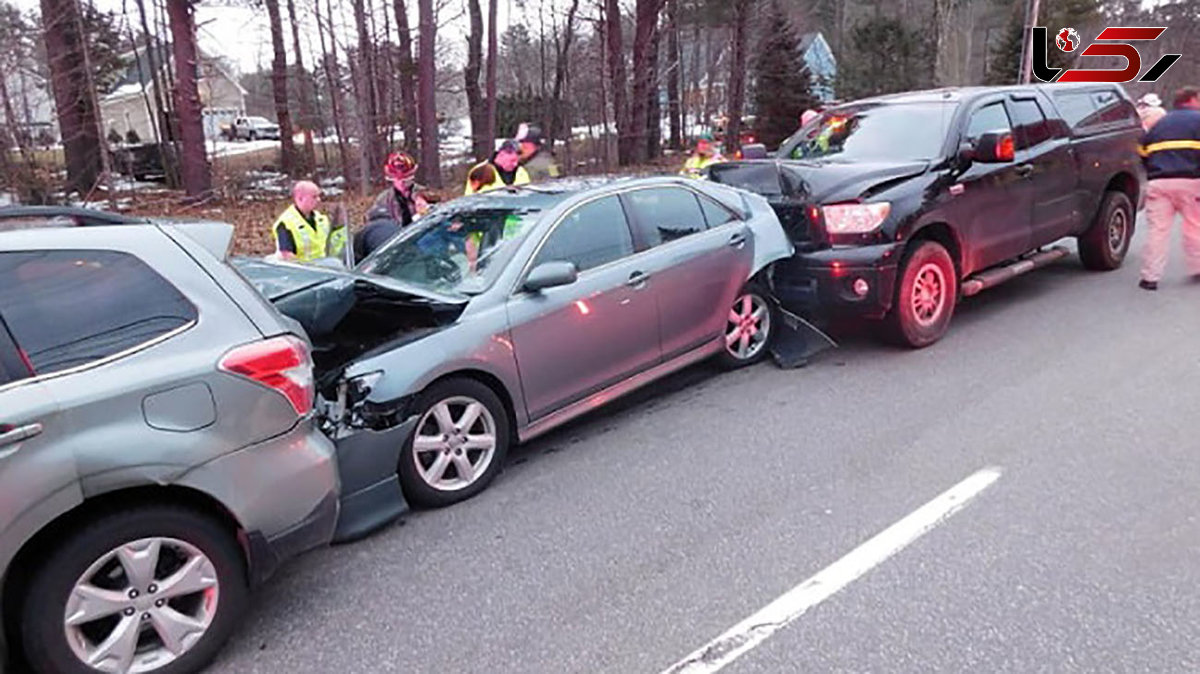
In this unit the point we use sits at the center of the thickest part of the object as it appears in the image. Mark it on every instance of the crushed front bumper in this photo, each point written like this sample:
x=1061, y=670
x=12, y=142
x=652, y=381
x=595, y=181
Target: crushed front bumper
x=371, y=497
x=857, y=282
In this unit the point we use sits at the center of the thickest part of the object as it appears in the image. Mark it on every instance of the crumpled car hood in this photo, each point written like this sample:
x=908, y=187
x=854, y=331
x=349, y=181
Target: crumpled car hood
x=814, y=181
x=347, y=314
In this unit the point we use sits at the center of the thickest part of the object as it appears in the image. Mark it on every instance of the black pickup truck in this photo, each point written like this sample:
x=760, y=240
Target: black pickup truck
x=900, y=205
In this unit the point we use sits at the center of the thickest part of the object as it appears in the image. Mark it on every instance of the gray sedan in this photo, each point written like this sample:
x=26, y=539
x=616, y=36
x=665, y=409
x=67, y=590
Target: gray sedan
x=501, y=316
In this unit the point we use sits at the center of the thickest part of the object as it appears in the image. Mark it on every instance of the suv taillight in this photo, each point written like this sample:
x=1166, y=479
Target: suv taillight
x=280, y=363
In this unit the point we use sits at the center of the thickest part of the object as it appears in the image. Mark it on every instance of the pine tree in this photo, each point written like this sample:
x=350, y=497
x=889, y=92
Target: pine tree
x=1006, y=55
x=889, y=57
x=783, y=84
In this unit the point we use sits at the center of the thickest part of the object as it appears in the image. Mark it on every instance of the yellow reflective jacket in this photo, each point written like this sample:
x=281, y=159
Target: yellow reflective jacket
x=522, y=178
x=695, y=165
x=312, y=242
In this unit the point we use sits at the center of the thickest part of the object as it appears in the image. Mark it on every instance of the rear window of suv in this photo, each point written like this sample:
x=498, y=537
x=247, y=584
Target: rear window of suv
x=71, y=308
x=1093, y=110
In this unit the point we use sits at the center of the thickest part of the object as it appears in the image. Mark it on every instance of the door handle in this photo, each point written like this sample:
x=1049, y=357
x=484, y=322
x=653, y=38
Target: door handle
x=637, y=280
x=1024, y=170
x=11, y=436
x=738, y=240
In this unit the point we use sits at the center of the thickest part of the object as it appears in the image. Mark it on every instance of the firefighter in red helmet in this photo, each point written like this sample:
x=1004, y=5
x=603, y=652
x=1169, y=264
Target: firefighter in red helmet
x=395, y=208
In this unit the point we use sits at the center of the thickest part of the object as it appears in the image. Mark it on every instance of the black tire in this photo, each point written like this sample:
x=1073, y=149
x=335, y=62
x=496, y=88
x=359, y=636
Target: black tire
x=417, y=489
x=905, y=324
x=1106, y=243
x=42, y=629
x=759, y=299
x=252, y=136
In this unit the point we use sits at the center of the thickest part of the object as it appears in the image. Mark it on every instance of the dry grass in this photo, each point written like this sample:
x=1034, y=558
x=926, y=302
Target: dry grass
x=242, y=199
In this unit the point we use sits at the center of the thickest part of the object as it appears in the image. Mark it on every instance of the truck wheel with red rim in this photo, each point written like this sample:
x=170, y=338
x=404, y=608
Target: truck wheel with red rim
x=926, y=294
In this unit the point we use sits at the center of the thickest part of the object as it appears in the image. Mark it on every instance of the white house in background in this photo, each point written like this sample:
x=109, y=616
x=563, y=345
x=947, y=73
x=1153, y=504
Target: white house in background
x=131, y=105
x=822, y=64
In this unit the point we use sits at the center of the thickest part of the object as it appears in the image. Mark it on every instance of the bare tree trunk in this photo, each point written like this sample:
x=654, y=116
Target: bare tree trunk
x=427, y=94
x=407, y=77
x=643, y=76
x=493, y=59
x=160, y=115
x=653, y=103
x=77, y=118
x=542, y=45
x=693, y=86
x=307, y=104
x=674, y=75
x=616, y=67
x=475, y=104
x=710, y=94
x=279, y=86
x=197, y=178
x=93, y=97
x=558, y=122
x=335, y=89
x=367, y=104
x=737, y=76
x=601, y=44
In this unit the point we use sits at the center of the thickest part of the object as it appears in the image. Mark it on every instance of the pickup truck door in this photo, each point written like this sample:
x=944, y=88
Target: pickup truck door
x=995, y=202
x=1045, y=154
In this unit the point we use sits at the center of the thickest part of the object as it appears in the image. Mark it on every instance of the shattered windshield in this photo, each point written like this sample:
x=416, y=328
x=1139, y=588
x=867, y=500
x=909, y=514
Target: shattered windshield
x=873, y=132
x=459, y=249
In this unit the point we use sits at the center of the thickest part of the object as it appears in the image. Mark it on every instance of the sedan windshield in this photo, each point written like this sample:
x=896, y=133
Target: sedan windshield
x=874, y=132
x=455, y=249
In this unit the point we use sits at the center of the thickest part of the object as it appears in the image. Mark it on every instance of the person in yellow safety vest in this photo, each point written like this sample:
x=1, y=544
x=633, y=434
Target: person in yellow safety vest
x=513, y=224
x=704, y=156
x=507, y=164
x=304, y=234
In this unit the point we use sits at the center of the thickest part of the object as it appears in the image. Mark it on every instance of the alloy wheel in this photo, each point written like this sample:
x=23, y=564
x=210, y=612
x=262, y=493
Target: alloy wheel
x=748, y=326
x=141, y=606
x=928, y=294
x=455, y=443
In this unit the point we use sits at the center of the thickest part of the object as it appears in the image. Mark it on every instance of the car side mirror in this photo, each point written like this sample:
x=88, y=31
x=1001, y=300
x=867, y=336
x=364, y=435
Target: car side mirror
x=551, y=275
x=754, y=151
x=994, y=148
x=966, y=154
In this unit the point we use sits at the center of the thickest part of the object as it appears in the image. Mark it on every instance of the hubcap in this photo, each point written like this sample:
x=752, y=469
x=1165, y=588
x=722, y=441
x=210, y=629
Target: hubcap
x=1118, y=226
x=748, y=327
x=141, y=606
x=455, y=443
x=928, y=294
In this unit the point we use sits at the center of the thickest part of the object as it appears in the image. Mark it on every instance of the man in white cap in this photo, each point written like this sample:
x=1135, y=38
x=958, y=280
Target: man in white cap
x=1150, y=109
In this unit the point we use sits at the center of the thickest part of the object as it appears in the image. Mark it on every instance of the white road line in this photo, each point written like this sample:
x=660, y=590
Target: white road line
x=752, y=631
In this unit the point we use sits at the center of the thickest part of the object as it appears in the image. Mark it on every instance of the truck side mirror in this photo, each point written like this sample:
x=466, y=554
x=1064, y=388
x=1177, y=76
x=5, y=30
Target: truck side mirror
x=966, y=153
x=994, y=148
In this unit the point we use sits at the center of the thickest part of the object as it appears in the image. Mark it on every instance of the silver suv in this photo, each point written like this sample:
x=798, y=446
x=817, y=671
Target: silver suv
x=158, y=456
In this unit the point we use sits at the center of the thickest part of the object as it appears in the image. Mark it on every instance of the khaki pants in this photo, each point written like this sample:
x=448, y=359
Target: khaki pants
x=1165, y=198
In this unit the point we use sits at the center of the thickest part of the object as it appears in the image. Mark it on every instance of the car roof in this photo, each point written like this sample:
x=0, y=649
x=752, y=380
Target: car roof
x=961, y=94
x=33, y=217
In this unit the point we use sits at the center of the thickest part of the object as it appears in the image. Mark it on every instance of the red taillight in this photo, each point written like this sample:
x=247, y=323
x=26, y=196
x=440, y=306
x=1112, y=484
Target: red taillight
x=281, y=363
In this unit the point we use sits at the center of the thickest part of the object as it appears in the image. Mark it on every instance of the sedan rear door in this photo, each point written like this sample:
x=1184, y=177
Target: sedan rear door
x=699, y=255
x=577, y=339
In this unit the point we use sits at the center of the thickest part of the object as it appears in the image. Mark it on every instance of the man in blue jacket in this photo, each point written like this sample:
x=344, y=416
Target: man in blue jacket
x=1171, y=152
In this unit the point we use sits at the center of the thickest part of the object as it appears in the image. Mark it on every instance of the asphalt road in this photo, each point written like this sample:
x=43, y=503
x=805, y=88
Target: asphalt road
x=624, y=542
